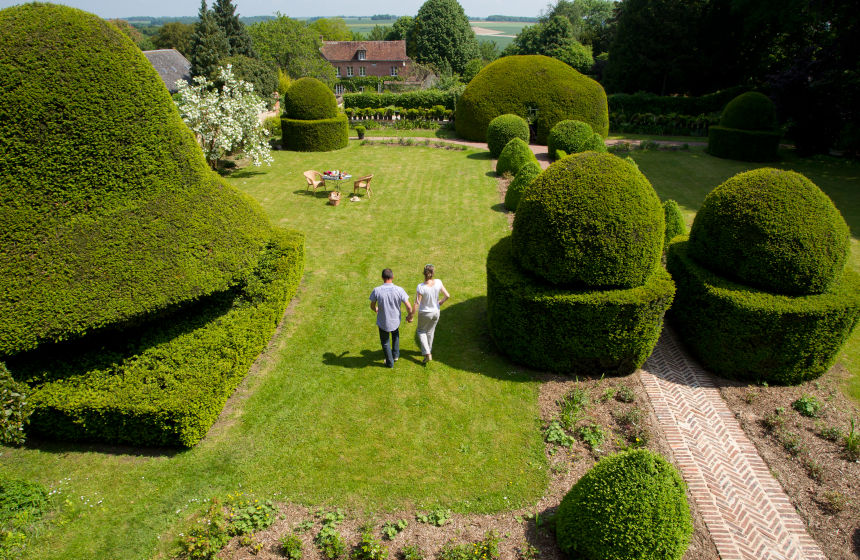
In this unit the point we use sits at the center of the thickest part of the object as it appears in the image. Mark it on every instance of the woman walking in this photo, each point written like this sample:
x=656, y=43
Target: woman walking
x=428, y=304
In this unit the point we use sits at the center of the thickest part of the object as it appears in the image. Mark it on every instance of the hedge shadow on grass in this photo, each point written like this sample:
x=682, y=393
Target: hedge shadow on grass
x=483, y=155
x=367, y=358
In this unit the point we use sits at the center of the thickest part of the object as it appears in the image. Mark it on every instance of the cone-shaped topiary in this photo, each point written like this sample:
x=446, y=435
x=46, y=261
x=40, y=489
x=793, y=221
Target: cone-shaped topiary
x=590, y=220
x=747, y=129
x=771, y=229
x=571, y=136
x=675, y=224
x=629, y=506
x=309, y=99
x=528, y=173
x=515, y=154
x=108, y=211
x=539, y=88
x=503, y=129
x=750, y=111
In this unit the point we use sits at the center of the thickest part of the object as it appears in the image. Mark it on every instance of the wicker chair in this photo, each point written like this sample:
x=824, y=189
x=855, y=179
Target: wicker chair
x=363, y=183
x=314, y=179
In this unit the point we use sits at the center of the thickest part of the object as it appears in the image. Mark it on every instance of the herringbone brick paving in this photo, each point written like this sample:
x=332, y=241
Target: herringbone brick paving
x=747, y=513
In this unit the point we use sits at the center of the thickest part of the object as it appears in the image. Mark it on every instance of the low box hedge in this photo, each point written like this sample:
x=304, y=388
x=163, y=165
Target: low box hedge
x=166, y=383
x=744, y=333
x=323, y=135
x=743, y=145
x=587, y=332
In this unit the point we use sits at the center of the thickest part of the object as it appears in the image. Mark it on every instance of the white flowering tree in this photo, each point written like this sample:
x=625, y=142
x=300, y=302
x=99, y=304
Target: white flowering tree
x=225, y=119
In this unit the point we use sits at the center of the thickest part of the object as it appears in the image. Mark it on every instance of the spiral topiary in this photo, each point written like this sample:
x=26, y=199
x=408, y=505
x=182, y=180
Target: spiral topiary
x=515, y=154
x=590, y=220
x=629, y=506
x=747, y=129
x=771, y=229
x=571, y=136
x=539, y=88
x=503, y=129
x=528, y=173
x=675, y=224
x=309, y=99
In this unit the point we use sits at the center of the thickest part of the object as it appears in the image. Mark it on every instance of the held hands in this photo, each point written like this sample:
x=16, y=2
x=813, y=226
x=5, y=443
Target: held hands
x=409, y=318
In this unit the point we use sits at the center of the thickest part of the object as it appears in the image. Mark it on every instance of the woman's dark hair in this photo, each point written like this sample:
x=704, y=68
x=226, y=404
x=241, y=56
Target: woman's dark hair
x=387, y=274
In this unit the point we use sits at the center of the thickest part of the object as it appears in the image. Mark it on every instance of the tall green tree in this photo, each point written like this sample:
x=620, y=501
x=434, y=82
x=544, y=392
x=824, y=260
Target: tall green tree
x=332, y=29
x=379, y=32
x=175, y=35
x=442, y=35
x=227, y=19
x=292, y=46
x=402, y=30
x=554, y=37
x=209, y=44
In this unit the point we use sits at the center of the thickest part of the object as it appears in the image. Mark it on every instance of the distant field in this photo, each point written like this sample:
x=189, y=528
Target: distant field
x=503, y=27
x=501, y=42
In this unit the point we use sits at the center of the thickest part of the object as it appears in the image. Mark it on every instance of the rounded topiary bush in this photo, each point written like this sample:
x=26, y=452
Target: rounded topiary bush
x=309, y=99
x=515, y=154
x=535, y=87
x=596, y=144
x=629, y=506
x=744, y=333
x=322, y=135
x=747, y=129
x=582, y=332
x=571, y=136
x=675, y=224
x=503, y=129
x=590, y=220
x=108, y=211
x=527, y=174
x=771, y=229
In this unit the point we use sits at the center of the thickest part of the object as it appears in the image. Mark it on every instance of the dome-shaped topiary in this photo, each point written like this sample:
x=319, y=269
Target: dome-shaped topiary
x=515, y=154
x=571, y=136
x=675, y=224
x=108, y=212
x=309, y=99
x=596, y=144
x=750, y=111
x=771, y=229
x=539, y=88
x=629, y=506
x=590, y=220
x=526, y=176
x=503, y=129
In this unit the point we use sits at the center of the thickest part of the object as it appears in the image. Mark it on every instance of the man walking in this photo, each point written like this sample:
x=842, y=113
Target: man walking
x=385, y=301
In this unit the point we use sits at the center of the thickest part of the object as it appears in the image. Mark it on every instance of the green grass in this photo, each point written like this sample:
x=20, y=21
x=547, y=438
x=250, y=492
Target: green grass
x=321, y=422
x=688, y=176
x=416, y=133
x=629, y=136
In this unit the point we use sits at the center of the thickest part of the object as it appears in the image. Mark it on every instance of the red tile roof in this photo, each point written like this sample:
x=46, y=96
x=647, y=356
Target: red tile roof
x=344, y=51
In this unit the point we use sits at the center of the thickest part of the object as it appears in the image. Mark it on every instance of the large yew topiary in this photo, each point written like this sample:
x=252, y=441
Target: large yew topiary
x=771, y=229
x=538, y=88
x=515, y=154
x=629, y=506
x=590, y=220
x=309, y=99
x=503, y=129
x=108, y=211
x=749, y=111
x=311, y=122
x=747, y=129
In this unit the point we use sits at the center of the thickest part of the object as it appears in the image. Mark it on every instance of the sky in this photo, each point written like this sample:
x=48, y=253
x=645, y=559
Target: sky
x=294, y=8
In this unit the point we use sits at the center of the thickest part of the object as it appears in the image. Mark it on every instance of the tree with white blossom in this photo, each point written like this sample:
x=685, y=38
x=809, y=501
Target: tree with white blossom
x=225, y=119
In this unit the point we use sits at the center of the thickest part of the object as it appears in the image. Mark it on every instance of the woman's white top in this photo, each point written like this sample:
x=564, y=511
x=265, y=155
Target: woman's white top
x=429, y=295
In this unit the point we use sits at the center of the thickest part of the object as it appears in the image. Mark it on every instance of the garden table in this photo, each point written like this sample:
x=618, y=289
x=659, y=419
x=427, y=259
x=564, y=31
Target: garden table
x=336, y=178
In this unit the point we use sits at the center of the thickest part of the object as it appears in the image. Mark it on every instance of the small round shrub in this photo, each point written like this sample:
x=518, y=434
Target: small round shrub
x=309, y=99
x=322, y=135
x=749, y=111
x=503, y=129
x=747, y=129
x=540, y=89
x=527, y=174
x=771, y=229
x=360, y=131
x=570, y=136
x=596, y=144
x=675, y=224
x=515, y=154
x=775, y=338
x=629, y=506
x=590, y=220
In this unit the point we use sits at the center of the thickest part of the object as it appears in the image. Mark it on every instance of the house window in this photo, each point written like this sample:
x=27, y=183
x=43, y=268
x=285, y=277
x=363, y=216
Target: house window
x=337, y=71
x=362, y=55
x=394, y=70
x=349, y=71
x=361, y=89
x=361, y=71
x=338, y=89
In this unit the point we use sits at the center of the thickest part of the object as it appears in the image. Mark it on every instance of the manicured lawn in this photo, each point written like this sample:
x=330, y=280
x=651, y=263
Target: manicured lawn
x=415, y=133
x=321, y=422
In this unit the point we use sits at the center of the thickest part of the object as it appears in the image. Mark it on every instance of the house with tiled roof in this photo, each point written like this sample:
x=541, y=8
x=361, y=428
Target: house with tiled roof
x=366, y=58
x=170, y=65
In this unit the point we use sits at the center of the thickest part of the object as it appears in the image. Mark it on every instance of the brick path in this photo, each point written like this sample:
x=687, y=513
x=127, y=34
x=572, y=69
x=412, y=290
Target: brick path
x=747, y=513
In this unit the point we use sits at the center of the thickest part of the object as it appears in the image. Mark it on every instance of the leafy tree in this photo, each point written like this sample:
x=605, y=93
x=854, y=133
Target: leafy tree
x=262, y=76
x=292, y=46
x=175, y=35
x=442, y=35
x=379, y=32
x=553, y=37
x=226, y=18
x=209, y=44
x=225, y=119
x=332, y=29
x=489, y=50
x=143, y=42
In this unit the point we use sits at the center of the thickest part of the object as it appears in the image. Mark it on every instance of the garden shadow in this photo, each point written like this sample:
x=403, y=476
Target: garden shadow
x=244, y=174
x=500, y=207
x=483, y=155
x=367, y=358
x=65, y=447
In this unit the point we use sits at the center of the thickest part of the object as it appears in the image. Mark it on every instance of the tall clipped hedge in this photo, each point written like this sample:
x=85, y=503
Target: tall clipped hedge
x=421, y=99
x=165, y=383
x=772, y=229
x=525, y=177
x=503, y=129
x=747, y=129
x=514, y=155
x=590, y=220
x=530, y=86
x=322, y=135
x=629, y=506
x=309, y=99
x=108, y=211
